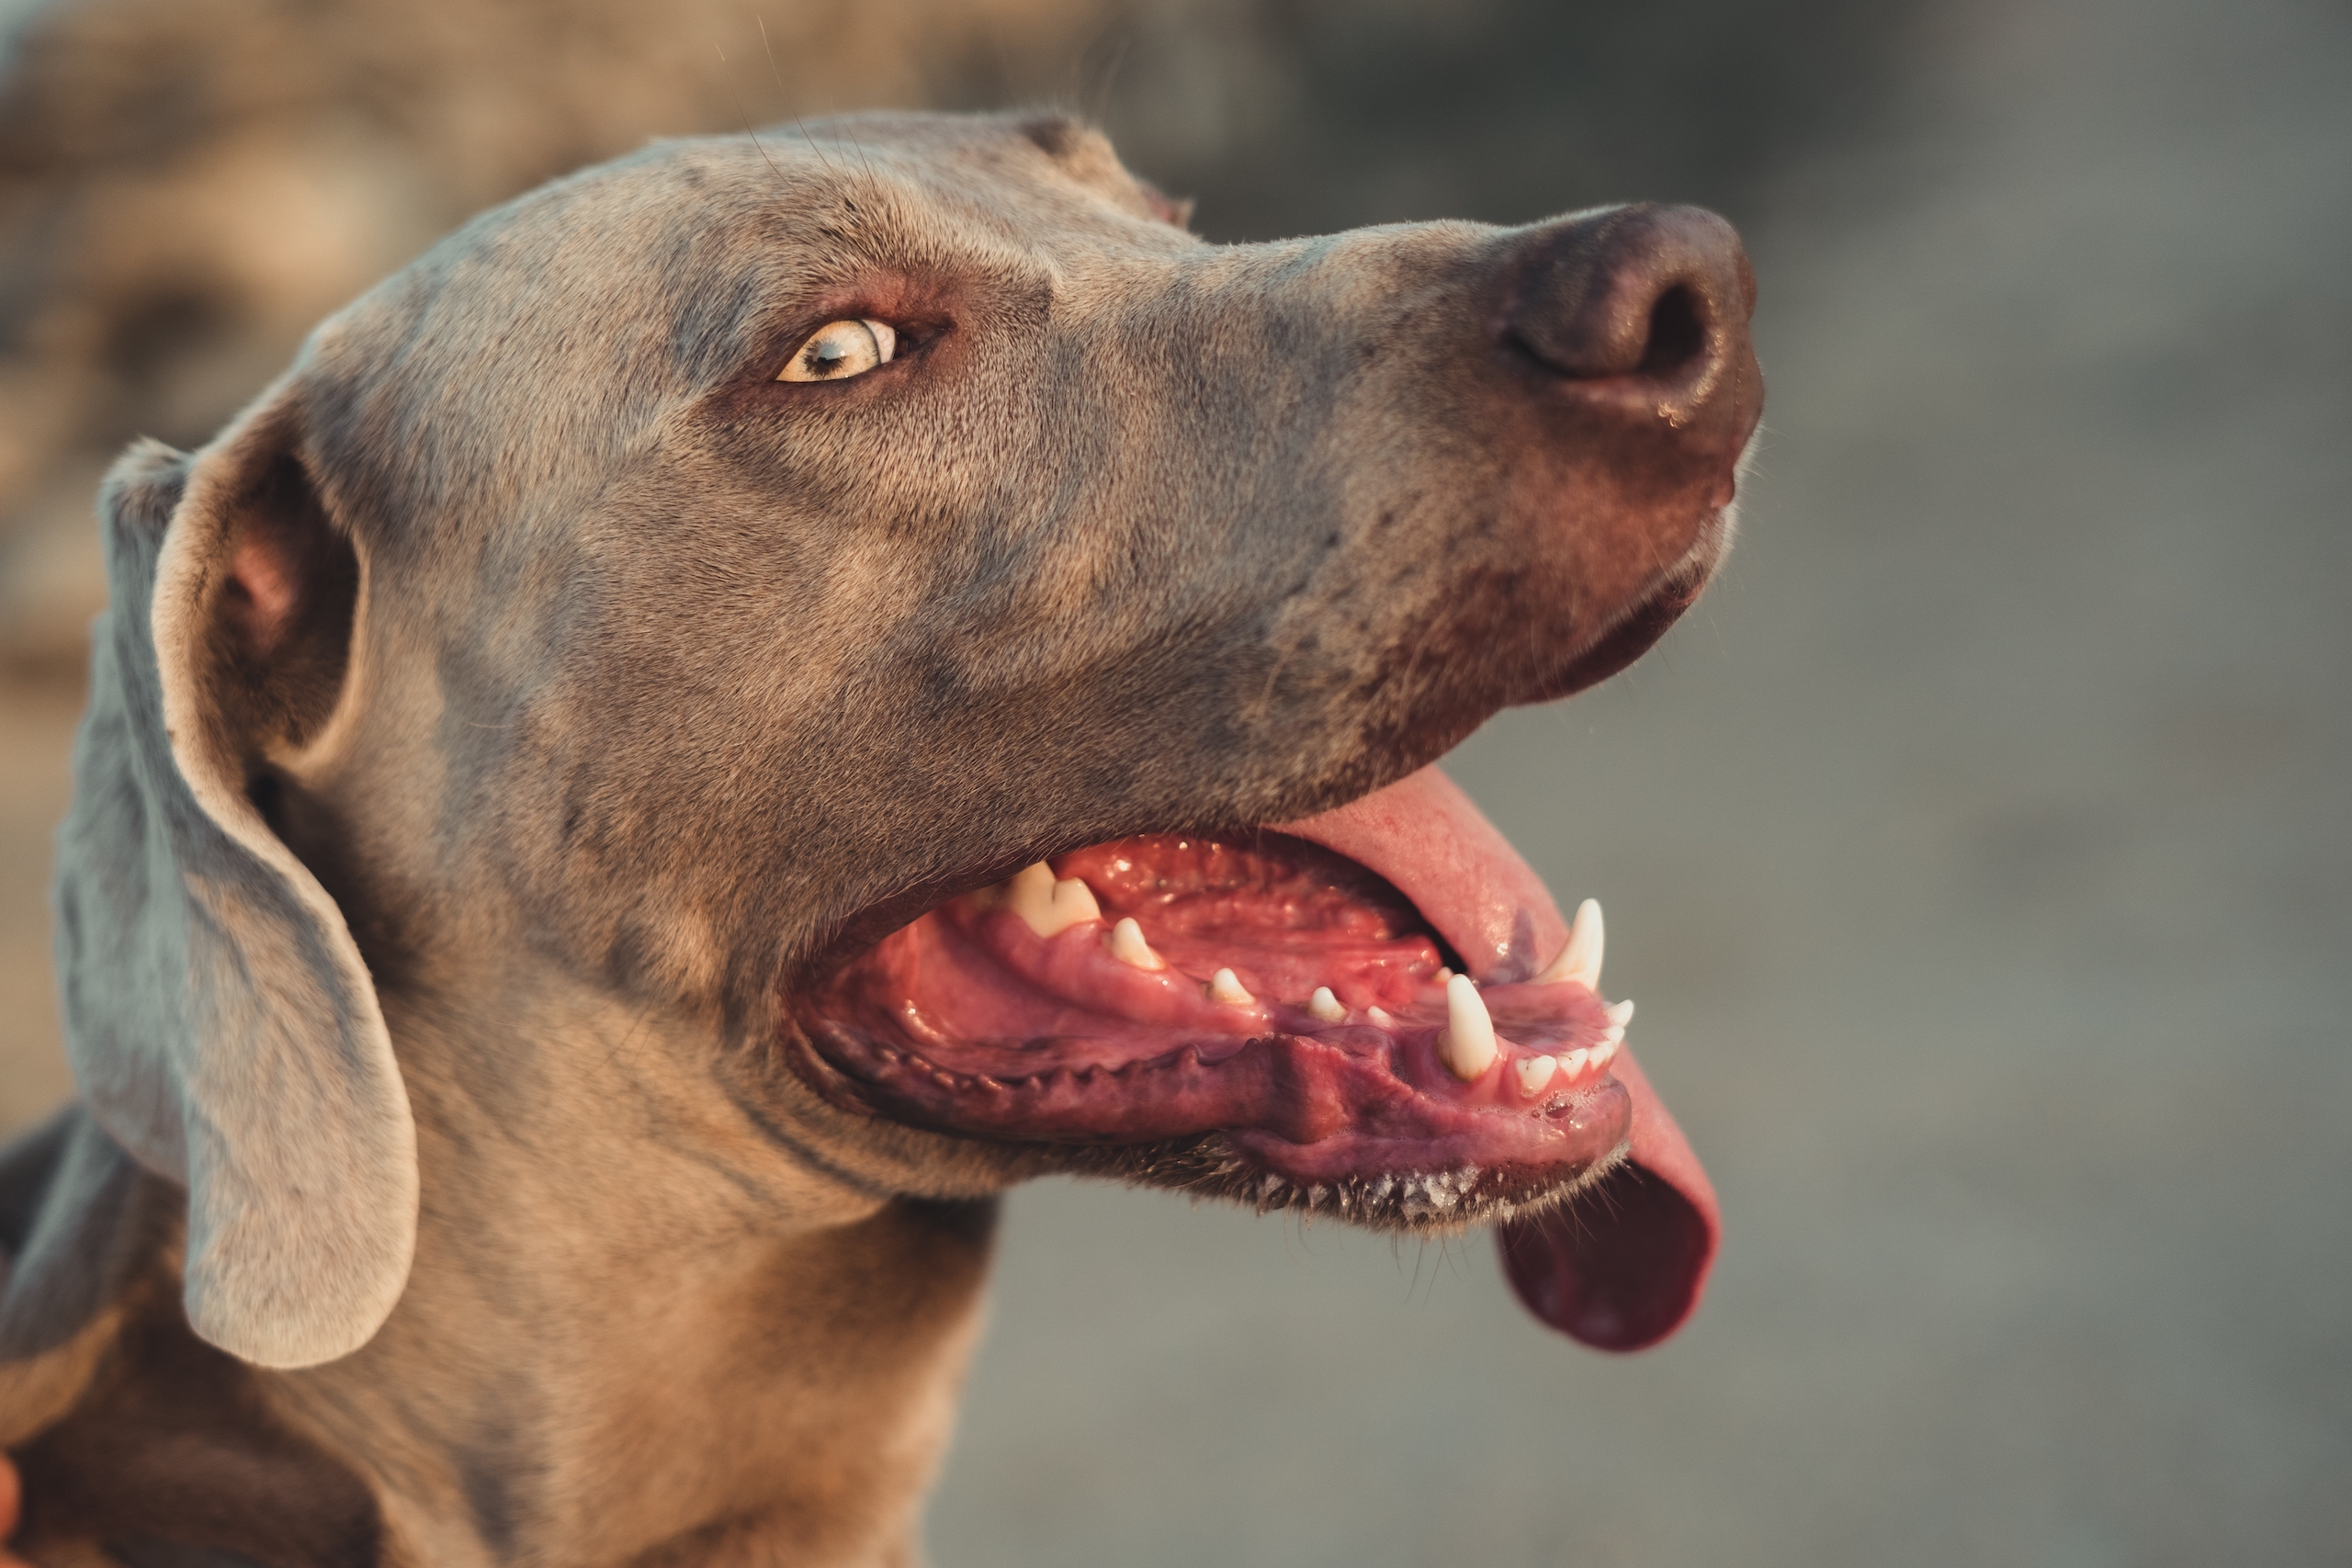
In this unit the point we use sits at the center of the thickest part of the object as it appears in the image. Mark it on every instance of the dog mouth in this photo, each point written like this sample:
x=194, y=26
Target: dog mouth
x=1377, y=1013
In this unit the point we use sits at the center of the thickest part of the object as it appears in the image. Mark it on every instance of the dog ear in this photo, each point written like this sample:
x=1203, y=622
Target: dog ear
x=221, y=1024
x=1173, y=210
x=84, y=1234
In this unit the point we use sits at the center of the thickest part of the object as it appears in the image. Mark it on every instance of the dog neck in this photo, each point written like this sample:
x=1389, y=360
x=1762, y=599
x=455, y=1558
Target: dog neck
x=633, y=1330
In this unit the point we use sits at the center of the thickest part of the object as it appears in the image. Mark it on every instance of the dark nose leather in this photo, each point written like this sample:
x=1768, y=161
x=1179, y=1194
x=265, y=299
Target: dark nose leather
x=1645, y=307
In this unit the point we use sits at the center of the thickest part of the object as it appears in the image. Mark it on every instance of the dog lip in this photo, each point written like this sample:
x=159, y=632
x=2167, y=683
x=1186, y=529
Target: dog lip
x=1637, y=627
x=977, y=1018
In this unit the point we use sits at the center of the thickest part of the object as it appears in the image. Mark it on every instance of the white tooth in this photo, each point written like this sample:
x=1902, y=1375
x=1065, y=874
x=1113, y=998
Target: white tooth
x=1534, y=1072
x=1621, y=1013
x=1224, y=988
x=1030, y=894
x=1579, y=960
x=1468, y=1042
x=1050, y=906
x=1326, y=1006
x=1574, y=1061
x=1604, y=1053
x=1443, y=974
x=1128, y=946
x=1074, y=902
x=1378, y=1017
x=1614, y=1035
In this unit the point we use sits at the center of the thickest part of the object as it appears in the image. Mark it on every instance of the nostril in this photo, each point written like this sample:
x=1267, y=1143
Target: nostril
x=1678, y=333
x=1644, y=302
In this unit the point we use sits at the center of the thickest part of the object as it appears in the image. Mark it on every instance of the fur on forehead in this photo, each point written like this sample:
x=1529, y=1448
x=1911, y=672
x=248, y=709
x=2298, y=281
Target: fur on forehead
x=457, y=352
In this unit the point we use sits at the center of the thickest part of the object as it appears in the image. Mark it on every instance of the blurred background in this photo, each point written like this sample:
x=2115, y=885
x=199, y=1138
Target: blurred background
x=1980, y=851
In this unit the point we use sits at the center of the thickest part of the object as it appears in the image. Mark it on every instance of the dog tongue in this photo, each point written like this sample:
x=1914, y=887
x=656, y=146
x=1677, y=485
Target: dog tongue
x=1621, y=1267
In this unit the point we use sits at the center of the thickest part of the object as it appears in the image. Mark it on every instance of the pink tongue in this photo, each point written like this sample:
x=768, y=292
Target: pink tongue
x=1623, y=1266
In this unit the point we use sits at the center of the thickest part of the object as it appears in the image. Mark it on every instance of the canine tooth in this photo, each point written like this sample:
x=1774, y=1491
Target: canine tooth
x=1128, y=946
x=1050, y=906
x=1468, y=1042
x=1534, y=1072
x=1224, y=988
x=1030, y=894
x=1075, y=899
x=1621, y=1013
x=1579, y=960
x=1326, y=1006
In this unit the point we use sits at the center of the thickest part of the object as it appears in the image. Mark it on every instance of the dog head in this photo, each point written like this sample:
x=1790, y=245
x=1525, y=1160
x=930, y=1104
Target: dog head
x=889, y=595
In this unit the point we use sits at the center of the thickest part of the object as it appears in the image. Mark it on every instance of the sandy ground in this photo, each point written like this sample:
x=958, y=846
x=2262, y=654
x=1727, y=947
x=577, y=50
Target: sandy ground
x=1979, y=855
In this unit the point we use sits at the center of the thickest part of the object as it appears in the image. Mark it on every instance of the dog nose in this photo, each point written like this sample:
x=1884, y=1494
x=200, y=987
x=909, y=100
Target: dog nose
x=1646, y=306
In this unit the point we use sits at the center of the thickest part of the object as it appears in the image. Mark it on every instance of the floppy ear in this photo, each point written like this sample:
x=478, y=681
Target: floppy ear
x=221, y=1024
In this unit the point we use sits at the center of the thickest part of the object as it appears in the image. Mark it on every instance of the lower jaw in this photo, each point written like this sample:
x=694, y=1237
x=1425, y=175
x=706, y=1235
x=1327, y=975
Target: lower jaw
x=1010, y=1017
x=1278, y=1122
x=1234, y=1167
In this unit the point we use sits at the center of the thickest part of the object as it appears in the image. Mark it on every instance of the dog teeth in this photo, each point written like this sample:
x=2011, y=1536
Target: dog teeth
x=1576, y=1061
x=1128, y=946
x=1534, y=1072
x=1621, y=1013
x=1378, y=1017
x=1224, y=988
x=1579, y=960
x=1326, y=1006
x=1603, y=1053
x=1074, y=903
x=1051, y=908
x=1030, y=894
x=1468, y=1042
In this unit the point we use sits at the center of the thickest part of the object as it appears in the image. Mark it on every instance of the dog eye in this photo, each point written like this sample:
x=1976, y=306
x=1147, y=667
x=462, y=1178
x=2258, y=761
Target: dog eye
x=841, y=349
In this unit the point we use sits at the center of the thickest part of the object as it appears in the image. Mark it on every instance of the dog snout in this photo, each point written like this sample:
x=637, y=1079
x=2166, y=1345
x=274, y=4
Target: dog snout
x=1645, y=307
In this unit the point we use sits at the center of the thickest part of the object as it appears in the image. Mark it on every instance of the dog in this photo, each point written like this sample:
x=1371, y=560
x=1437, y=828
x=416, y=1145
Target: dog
x=753, y=698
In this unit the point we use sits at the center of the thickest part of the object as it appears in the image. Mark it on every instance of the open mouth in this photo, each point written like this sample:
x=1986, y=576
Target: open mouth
x=1377, y=1013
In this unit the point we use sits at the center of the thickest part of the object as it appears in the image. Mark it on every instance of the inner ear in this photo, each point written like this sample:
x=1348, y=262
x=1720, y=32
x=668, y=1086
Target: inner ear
x=1175, y=212
x=282, y=618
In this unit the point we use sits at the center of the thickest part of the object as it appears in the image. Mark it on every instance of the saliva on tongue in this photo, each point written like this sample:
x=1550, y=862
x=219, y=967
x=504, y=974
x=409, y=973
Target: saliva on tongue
x=1623, y=1266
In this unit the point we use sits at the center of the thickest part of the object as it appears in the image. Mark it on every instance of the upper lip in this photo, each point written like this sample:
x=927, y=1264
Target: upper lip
x=1609, y=649
x=1646, y=618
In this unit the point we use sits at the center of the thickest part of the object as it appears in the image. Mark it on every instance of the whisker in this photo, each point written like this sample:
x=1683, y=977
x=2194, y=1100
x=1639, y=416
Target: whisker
x=744, y=115
x=785, y=94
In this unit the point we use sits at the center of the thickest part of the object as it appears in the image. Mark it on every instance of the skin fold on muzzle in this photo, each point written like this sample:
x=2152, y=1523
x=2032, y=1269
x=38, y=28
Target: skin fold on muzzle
x=551, y=927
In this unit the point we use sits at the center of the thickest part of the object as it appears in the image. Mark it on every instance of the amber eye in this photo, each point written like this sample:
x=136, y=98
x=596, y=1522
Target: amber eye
x=841, y=349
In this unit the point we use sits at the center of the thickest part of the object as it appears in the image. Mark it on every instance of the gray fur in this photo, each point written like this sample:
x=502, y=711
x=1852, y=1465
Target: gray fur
x=220, y=1019
x=661, y=682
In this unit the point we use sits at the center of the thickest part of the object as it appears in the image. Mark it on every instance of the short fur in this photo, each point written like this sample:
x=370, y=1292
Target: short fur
x=498, y=721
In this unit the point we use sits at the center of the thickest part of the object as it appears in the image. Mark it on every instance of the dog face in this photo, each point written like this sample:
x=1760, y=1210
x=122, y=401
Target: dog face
x=720, y=583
